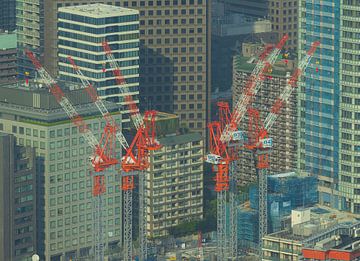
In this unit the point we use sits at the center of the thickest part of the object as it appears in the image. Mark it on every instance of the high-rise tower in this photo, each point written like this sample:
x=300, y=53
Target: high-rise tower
x=175, y=58
x=18, y=201
x=36, y=24
x=329, y=100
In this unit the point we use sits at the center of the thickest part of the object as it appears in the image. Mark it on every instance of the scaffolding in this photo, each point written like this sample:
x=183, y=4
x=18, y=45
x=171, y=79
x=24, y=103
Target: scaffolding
x=286, y=191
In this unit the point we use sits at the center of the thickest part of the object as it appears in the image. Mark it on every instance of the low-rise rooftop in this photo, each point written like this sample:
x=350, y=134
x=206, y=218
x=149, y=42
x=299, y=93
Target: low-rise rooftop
x=247, y=64
x=37, y=105
x=8, y=41
x=323, y=221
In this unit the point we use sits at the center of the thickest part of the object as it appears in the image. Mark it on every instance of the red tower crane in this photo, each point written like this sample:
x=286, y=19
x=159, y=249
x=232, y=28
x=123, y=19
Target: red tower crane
x=222, y=153
x=104, y=155
x=260, y=144
x=135, y=160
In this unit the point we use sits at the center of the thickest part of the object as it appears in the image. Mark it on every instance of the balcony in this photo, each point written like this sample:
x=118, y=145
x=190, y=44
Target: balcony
x=36, y=2
x=272, y=247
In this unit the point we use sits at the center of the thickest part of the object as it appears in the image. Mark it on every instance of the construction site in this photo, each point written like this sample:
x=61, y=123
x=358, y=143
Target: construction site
x=135, y=162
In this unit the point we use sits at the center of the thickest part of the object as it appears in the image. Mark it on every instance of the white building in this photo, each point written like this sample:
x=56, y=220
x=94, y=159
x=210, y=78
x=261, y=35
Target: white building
x=82, y=29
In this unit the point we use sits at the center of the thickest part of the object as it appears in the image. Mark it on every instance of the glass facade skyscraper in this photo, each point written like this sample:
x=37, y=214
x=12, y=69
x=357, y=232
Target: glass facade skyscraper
x=329, y=100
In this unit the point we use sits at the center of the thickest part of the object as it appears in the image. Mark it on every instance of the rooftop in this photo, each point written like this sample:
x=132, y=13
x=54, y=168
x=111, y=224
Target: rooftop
x=98, y=10
x=36, y=105
x=8, y=41
x=180, y=139
x=323, y=220
x=246, y=64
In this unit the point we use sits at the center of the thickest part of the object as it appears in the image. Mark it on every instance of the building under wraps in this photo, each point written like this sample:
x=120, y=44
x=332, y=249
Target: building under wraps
x=286, y=191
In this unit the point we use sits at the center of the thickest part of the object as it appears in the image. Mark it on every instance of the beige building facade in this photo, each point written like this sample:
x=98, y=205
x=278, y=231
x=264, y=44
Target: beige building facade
x=284, y=18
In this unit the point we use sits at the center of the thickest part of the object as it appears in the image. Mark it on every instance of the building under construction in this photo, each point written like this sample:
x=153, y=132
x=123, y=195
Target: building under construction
x=282, y=157
x=286, y=191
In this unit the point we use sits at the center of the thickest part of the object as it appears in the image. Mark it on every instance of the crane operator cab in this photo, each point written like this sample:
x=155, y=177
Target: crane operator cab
x=266, y=143
x=95, y=160
x=238, y=135
x=213, y=159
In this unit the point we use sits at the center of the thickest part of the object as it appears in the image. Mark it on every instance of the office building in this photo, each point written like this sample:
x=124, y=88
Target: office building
x=174, y=182
x=36, y=24
x=175, y=58
x=283, y=132
x=7, y=57
x=329, y=100
x=284, y=19
x=65, y=194
x=82, y=29
x=18, y=201
x=7, y=15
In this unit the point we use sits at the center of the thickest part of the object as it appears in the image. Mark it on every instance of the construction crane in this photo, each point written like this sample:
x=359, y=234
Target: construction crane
x=260, y=144
x=104, y=150
x=221, y=167
x=128, y=184
x=135, y=161
x=222, y=153
x=252, y=86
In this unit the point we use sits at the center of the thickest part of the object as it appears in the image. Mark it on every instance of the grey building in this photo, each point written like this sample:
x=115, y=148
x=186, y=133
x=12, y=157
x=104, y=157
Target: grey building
x=229, y=32
x=64, y=178
x=7, y=15
x=7, y=57
x=18, y=201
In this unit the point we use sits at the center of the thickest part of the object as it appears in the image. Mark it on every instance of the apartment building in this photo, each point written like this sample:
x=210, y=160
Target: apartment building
x=18, y=201
x=283, y=132
x=174, y=181
x=65, y=225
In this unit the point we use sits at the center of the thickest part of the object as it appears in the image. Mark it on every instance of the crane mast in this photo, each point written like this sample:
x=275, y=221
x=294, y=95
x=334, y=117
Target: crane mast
x=261, y=145
x=135, y=161
x=221, y=155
